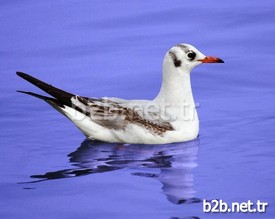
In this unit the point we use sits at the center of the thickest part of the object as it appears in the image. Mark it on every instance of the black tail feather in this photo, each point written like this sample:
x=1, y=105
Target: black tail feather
x=62, y=97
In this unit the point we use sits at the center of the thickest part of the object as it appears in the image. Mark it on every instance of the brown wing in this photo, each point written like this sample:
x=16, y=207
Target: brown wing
x=111, y=114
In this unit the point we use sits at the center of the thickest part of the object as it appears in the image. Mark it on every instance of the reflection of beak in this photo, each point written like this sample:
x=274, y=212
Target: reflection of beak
x=211, y=59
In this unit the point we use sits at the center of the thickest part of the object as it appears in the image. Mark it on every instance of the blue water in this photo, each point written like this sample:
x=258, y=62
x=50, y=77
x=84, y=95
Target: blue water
x=97, y=48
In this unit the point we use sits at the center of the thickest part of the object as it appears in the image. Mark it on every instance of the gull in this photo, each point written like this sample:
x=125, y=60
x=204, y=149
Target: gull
x=170, y=117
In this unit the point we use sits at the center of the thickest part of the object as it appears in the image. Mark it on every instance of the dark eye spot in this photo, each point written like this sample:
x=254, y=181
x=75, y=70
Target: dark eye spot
x=177, y=63
x=191, y=55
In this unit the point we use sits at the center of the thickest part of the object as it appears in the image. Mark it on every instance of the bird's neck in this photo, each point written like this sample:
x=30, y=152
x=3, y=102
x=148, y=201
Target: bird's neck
x=176, y=87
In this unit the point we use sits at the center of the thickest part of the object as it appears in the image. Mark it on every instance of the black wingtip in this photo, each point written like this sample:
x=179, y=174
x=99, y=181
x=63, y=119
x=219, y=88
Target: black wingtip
x=24, y=75
x=51, y=101
x=21, y=74
x=61, y=95
x=32, y=94
x=21, y=91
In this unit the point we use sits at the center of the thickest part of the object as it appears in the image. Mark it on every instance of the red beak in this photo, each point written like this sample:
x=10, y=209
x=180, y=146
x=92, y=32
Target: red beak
x=211, y=59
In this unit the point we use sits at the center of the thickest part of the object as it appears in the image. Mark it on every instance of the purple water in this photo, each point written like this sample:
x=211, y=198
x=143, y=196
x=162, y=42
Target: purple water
x=116, y=49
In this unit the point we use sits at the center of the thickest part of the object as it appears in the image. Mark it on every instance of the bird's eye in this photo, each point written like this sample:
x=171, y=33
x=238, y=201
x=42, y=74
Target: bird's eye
x=191, y=55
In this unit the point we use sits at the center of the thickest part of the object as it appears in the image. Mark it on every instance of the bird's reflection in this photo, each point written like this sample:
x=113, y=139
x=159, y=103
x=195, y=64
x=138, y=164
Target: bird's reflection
x=175, y=162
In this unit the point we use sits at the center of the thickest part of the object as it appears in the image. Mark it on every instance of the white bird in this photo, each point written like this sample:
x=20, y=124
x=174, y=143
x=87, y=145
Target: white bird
x=170, y=117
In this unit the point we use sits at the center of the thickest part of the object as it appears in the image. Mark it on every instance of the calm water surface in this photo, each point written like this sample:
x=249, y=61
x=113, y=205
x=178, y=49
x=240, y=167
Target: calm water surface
x=98, y=49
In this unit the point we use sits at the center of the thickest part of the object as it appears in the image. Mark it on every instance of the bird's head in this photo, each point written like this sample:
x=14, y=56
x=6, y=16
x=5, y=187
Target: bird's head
x=186, y=56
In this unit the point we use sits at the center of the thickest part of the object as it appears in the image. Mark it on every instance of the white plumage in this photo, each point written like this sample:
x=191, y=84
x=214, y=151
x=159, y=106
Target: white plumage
x=170, y=117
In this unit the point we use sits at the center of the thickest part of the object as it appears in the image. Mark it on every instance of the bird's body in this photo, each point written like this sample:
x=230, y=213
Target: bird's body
x=170, y=117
